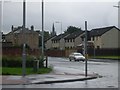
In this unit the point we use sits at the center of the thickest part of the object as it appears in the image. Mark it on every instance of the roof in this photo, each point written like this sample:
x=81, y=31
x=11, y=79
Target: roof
x=74, y=35
x=88, y=35
x=101, y=31
x=60, y=36
x=20, y=30
x=50, y=38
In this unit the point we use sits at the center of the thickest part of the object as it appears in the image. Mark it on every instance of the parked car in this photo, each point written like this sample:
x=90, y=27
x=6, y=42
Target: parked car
x=76, y=57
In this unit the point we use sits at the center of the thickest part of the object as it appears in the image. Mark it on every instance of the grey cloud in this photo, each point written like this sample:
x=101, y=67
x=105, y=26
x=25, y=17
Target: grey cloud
x=97, y=14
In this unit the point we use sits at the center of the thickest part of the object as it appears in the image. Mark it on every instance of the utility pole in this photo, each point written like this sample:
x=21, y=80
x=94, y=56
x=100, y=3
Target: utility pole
x=1, y=15
x=118, y=6
x=86, y=48
x=94, y=50
x=42, y=29
x=24, y=45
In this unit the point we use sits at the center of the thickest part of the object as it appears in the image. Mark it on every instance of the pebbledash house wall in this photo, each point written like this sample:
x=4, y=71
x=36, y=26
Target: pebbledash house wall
x=31, y=39
x=110, y=39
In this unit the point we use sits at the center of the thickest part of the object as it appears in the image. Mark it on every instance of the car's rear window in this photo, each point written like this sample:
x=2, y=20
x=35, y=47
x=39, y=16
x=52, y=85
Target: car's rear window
x=77, y=54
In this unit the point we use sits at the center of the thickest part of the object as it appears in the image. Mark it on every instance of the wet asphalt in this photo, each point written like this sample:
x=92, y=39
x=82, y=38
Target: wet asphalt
x=107, y=69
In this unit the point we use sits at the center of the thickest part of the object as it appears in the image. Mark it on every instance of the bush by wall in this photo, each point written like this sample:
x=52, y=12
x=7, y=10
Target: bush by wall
x=9, y=61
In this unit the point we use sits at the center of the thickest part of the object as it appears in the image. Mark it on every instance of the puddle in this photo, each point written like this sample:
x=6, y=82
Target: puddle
x=49, y=77
x=111, y=86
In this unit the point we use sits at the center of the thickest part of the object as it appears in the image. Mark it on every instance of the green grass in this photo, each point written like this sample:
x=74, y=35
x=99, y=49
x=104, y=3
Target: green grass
x=108, y=57
x=18, y=71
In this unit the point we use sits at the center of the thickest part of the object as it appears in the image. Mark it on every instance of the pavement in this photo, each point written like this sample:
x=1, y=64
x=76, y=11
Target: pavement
x=53, y=77
x=58, y=75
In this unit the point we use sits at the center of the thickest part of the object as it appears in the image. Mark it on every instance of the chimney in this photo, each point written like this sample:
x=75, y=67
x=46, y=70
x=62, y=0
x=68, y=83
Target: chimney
x=32, y=28
x=12, y=28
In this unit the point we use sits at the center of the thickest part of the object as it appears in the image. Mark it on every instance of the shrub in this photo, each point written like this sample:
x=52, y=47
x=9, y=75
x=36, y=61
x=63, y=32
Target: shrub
x=9, y=61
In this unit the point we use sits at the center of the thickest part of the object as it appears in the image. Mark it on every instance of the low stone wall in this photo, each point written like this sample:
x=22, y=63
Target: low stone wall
x=59, y=53
x=14, y=51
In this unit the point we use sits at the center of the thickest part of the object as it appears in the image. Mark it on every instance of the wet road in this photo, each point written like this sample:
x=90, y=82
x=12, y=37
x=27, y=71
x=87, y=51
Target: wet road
x=106, y=68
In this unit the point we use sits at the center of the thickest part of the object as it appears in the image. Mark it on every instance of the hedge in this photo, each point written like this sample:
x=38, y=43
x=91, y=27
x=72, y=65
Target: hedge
x=8, y=61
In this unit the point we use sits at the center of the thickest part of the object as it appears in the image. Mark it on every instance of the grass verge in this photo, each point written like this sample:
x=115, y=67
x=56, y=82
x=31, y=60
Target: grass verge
x=18, y=71
x=108, y=57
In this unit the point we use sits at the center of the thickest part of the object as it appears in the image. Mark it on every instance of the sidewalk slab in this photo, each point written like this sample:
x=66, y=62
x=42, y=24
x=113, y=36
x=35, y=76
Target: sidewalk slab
x=13, y=80
x=44, y=79
x=60, y=79
x=58, y=75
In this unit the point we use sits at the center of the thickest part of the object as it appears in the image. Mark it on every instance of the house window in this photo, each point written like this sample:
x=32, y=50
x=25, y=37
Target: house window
x=70, y=40
x=65, y=40
x=82, y=39
x=98, y=47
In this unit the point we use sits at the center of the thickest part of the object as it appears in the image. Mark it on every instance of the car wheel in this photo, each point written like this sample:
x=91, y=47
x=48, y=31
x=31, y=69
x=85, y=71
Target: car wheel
x=83, y=60
x=75, y=60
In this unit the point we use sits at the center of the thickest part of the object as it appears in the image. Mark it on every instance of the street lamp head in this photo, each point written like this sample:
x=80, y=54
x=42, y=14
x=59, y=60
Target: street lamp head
x=117, y=6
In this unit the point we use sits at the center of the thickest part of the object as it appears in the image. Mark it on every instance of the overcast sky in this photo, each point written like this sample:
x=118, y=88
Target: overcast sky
x=75, y=13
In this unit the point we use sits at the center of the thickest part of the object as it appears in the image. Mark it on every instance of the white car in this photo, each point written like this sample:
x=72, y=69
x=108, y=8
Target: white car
x=76, y=57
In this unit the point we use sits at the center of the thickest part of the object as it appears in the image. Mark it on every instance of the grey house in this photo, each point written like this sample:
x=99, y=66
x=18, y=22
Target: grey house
x=74, y=39
x=18, y=37
x=48, y=43
x=58, y=42
x=106, y=37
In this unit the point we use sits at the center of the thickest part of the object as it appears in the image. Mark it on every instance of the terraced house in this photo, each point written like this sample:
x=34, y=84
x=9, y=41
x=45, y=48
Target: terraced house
x=48, y=42
x=58, y=42
x=106, y=37
x=74, y=39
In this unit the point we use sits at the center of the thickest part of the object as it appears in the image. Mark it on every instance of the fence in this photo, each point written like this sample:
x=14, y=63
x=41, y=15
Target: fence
x=16, y=51
x=102, y=52
x=107, y=52
x=55, y=53
x=12, y=51
x=59, y=53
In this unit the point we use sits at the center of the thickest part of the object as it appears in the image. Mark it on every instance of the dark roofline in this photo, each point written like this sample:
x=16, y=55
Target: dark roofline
x=88, y=35
x=60, y=36
x=74, y=35
x=117, y=28
x=20, y=28
x=101, y=31
x=50, y=38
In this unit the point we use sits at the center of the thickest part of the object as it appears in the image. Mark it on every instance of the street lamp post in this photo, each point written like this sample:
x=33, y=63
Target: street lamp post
x=1, y=15
x=118, y=6
x=94, y=51
x=42, y=29
x=61, y=25
x=86, y=48
x=24, y=45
